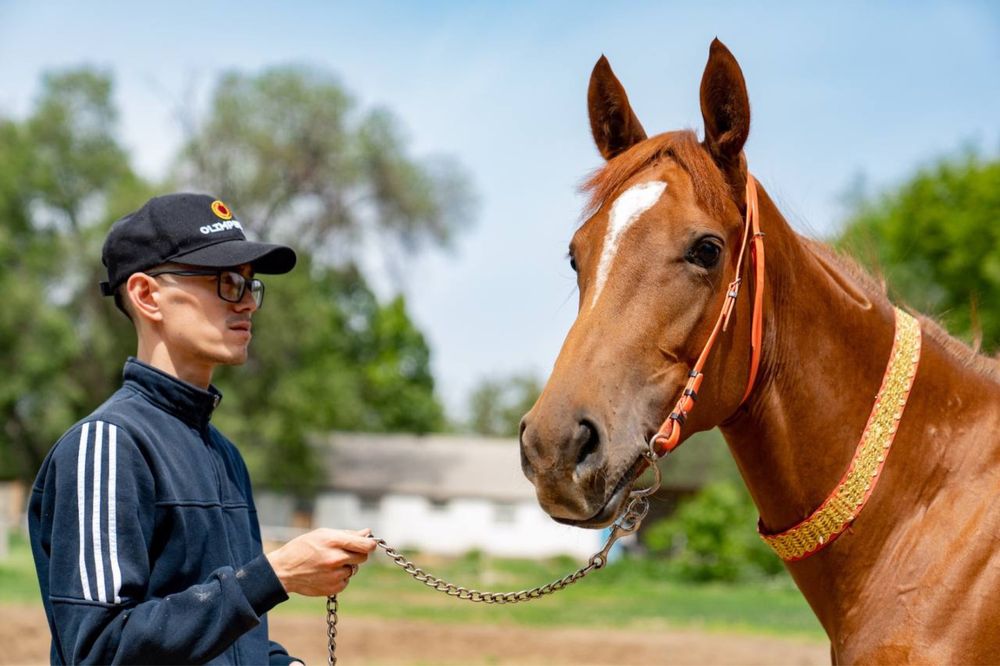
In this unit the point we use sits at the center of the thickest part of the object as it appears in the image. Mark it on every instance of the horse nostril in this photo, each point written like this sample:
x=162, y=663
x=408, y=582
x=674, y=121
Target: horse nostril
x=588, y=441
x=526, y=466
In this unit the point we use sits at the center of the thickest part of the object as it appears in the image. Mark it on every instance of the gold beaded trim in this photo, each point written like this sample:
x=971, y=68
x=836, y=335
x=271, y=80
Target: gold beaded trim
x=849, y=497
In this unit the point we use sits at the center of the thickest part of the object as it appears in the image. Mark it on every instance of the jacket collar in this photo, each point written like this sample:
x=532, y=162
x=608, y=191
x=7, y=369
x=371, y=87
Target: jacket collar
x=187, y=402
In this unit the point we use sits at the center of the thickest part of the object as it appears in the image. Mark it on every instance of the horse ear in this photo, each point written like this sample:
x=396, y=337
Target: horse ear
x=612, y=121
x=725, y=107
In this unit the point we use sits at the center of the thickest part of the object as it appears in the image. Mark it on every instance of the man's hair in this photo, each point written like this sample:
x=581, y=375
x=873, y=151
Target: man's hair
x=122, y=301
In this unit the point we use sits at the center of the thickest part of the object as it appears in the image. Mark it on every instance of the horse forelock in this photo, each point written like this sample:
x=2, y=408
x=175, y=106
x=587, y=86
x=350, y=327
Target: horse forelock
x=682, y=147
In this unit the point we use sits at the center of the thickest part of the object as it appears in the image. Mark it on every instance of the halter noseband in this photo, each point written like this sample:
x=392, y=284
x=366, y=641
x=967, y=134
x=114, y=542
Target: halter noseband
x=668, y=437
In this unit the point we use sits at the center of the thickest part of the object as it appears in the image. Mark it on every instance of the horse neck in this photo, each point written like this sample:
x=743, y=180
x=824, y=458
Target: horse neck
x=828, y=337
x=826, y=342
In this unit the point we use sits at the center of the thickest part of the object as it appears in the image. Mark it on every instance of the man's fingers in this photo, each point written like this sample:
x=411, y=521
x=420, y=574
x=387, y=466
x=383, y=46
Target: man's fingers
x=346, y=559
x=357, y=543
x=355, y=558
x=343, y=578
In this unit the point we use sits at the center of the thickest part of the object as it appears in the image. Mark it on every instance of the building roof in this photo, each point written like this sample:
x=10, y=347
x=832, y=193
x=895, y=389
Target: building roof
x=449, y=466
x=435, y=466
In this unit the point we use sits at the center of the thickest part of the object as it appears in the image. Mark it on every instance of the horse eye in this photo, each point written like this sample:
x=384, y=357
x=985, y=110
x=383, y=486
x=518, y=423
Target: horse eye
x=572, y=263
x=704, y=253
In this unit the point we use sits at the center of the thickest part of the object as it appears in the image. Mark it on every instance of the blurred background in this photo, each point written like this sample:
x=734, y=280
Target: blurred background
x=424, y=159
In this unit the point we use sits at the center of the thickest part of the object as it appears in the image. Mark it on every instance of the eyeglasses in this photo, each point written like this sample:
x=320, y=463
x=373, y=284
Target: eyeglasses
x=231, y=286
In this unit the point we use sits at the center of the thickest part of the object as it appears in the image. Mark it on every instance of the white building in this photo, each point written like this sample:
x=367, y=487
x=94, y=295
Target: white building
x=443, y=494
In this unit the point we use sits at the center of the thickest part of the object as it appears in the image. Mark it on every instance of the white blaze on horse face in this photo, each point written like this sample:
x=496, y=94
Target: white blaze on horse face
x=626, y=209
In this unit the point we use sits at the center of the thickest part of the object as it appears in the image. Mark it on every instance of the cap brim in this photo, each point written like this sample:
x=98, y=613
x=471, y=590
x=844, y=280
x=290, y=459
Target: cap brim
x=265, y=257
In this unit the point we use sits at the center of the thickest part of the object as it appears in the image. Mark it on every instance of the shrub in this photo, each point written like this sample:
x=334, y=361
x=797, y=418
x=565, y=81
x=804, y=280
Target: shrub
x=711, y=537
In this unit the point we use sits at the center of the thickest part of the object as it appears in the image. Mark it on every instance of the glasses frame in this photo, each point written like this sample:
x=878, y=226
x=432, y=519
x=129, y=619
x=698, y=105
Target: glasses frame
x=245, y=283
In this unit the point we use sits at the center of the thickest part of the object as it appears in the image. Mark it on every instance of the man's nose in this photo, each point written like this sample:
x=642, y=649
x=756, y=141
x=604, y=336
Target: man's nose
x=247, y=303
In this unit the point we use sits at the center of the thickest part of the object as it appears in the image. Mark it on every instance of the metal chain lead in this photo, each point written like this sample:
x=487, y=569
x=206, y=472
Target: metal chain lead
x=331, y=630
x=628, y=523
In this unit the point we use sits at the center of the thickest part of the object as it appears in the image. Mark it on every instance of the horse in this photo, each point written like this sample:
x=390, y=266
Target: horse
x=866, y=435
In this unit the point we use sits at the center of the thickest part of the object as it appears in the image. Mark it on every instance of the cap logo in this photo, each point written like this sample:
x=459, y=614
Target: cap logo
x=221, y=210
x=221, y=226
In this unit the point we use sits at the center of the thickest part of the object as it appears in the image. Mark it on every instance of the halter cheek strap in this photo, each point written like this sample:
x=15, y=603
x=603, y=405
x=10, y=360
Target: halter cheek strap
x=668, y=436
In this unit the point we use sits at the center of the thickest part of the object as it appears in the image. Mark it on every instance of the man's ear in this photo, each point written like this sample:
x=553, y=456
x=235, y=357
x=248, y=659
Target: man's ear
x=142, y=294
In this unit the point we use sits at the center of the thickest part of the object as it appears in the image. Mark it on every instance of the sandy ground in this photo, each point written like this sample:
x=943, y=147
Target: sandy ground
x=25, y=640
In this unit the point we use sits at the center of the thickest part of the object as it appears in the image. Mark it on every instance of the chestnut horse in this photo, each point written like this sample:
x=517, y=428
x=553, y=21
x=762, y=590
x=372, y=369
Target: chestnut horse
x=915, y=573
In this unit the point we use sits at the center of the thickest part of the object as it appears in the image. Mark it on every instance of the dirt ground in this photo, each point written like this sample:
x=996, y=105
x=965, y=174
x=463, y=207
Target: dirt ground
x=24, y=635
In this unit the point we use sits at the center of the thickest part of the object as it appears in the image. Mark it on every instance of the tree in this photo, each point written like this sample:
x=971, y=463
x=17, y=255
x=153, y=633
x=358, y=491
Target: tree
x=936, y=239
x=497, y=405
x=61, y=171
x=290, y=149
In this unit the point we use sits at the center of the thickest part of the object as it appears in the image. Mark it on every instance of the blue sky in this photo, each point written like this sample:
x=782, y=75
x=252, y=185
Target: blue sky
x=838, y=91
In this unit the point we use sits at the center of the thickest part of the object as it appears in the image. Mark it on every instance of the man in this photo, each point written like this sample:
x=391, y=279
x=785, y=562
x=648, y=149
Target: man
x=142, y=523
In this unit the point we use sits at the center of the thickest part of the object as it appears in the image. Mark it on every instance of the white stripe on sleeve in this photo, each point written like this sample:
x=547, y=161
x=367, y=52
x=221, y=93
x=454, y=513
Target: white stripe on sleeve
x=96, y=521
x=81, y=506
x=116, y=574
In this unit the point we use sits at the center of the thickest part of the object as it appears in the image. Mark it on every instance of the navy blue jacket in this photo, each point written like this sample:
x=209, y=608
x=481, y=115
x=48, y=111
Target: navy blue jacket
x=145, y=535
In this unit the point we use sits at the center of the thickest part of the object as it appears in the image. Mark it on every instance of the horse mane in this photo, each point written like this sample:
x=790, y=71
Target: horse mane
x=969, y=356
x=874, y=287
x=681, y=146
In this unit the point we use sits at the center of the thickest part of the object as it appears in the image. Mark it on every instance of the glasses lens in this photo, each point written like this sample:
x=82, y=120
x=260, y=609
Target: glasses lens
x=257, y=291
x=231, y=286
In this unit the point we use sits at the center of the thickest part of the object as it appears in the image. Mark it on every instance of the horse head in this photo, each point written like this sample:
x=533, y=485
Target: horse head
x=660, y=244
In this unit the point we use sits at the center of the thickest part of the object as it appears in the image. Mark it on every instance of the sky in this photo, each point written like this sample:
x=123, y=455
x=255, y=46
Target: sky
x=841, y=93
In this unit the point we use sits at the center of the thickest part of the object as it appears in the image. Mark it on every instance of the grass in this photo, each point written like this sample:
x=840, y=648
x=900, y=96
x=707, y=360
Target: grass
x=18, y=582
x=626, y=594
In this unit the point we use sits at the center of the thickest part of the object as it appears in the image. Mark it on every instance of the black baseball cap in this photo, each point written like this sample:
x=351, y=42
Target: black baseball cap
x=194, y=229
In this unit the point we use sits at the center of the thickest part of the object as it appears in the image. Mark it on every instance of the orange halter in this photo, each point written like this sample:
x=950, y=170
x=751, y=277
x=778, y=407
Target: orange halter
x=668, y=436
x=849, y=497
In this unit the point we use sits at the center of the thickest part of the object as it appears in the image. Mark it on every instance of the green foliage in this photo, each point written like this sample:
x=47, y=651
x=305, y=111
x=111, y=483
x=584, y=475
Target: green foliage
x=60, y=171
x=76, y=155
x=711, y=537
x=497, y=405
x=398, y=383
x=936, y=239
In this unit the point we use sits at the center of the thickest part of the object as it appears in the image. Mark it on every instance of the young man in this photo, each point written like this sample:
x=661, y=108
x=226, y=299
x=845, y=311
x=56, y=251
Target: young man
x=142, y=523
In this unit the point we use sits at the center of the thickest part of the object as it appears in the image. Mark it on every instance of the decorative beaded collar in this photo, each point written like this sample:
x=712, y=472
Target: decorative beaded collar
x=847, y=500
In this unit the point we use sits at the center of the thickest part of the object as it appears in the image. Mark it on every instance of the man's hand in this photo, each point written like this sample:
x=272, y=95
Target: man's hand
x=319, y=563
